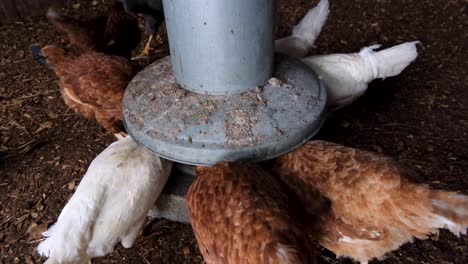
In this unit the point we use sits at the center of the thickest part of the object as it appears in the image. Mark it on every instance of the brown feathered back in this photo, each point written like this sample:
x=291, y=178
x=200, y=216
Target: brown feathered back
x=241, y=214
x=375, y=208
x=122, y=33
x=83, y=34
x=92, y=84
x=116, y=33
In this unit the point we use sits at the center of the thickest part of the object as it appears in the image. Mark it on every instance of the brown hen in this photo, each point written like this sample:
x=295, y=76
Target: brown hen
x=375, y=207
x=241, y=214
x=116, y=33
x=92, y=84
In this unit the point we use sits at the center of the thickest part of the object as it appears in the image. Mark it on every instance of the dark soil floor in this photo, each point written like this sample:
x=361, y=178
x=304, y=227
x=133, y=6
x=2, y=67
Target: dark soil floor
x=419, y=117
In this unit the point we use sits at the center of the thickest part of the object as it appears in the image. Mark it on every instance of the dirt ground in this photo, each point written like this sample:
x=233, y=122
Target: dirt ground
x=419, y=117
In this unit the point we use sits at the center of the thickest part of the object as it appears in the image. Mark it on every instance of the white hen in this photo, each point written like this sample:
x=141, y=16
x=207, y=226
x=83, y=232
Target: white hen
x=109, y=206
x=346, y=76
x=305, y=32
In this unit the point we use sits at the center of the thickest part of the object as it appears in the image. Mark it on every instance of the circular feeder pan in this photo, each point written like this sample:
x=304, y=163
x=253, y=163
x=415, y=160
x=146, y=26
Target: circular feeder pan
x=200, y=129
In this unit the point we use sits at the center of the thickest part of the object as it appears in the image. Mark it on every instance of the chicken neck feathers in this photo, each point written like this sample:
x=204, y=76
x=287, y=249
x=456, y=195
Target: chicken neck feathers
x=346, y=76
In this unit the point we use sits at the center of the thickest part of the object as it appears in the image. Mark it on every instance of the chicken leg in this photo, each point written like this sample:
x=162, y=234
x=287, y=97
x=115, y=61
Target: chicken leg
x=121, y=135
x=147, y=49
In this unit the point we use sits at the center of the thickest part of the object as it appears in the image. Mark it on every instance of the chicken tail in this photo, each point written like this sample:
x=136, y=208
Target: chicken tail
x=451, y=209
x=312, y=23
x=305, y=32
x=52, y=14
x=391, y=61
x=67, y=240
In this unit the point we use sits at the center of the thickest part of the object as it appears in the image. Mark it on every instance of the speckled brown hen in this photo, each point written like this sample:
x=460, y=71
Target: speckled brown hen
x=242, y=214
x=92, y=84
x=375, y=208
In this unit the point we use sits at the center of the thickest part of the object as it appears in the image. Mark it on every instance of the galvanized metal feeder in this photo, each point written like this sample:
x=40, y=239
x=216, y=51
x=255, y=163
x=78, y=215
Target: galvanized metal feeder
x=223, y=95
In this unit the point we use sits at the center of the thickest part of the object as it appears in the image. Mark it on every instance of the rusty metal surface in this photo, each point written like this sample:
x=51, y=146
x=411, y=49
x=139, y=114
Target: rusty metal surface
x=204, y=129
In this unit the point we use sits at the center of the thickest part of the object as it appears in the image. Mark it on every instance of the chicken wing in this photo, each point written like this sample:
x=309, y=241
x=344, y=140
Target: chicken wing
x=116, y=33
x=375, y=208
x=92, y=84
x=241, y=214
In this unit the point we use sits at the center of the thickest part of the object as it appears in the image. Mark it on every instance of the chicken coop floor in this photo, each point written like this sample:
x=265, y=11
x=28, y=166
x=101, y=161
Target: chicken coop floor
x=420, y=118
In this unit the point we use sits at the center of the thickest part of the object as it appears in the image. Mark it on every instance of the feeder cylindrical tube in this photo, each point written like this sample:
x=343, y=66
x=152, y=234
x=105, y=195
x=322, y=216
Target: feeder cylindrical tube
x=220, y=46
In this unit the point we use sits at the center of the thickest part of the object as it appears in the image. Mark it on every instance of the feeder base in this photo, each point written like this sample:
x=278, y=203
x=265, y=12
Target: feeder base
x=171, y=203
x=200, y=129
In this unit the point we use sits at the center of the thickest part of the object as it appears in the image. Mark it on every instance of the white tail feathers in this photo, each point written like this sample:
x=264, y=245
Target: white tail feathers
x=312, y=23
x=109, y=205
x=305, y=33
x=392, y=61
x=67, y=240
x=451, y=210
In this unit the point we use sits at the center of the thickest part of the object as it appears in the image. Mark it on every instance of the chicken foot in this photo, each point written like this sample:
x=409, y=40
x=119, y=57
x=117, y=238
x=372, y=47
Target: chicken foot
x=121, y=135
x=147, y=49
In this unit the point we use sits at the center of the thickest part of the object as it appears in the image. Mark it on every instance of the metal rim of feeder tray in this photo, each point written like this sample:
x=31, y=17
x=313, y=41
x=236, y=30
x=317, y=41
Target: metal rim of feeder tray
x=212, y=100
x=200, y=129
